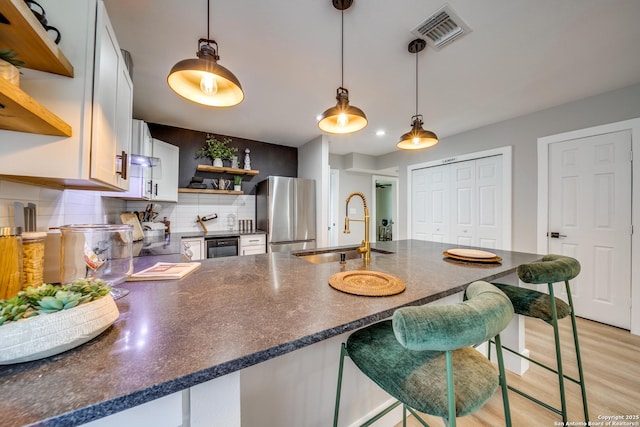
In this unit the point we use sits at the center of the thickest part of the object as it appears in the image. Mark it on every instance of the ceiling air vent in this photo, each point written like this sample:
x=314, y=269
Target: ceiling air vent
x=441, y=28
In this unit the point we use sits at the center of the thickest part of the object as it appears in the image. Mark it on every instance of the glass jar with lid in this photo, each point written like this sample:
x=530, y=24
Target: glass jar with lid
x=33, y=258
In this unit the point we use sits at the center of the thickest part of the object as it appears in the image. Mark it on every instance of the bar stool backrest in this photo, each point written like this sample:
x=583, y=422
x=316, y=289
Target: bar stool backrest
x=485, y=313
x=552, y=269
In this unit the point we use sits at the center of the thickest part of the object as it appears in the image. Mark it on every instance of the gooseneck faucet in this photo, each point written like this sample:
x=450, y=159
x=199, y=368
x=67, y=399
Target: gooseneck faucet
x=365, y=248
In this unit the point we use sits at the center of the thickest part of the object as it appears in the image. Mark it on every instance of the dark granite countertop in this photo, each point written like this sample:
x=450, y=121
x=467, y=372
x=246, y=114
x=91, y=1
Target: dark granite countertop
x=232, y=313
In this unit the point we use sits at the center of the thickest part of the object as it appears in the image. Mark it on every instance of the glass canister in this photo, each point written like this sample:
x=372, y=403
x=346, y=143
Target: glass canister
x=33, y=258
x=10, y=261
x=102, y=251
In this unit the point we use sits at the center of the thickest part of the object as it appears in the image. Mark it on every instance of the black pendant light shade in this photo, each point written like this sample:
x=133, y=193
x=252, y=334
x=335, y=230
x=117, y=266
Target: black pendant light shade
x=417, y=137
x=343, y=118
x=203, y=80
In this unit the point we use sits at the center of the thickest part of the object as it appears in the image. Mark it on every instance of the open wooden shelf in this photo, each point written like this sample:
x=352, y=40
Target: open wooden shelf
x=19, y=112
x=27, y=37
x=205, y=191
x=233, y=171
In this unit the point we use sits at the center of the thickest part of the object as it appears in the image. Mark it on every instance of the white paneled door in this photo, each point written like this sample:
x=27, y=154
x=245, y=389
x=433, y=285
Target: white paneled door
x=459, y=203
x=590, y=220
x=430, y=204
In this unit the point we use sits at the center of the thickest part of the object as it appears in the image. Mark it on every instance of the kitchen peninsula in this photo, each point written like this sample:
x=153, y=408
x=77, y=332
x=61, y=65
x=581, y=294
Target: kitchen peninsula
x=226, y=319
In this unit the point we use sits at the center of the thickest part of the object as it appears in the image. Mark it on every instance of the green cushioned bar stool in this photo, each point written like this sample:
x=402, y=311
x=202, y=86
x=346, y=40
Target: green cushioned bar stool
x=424, y=357
x=528, y=302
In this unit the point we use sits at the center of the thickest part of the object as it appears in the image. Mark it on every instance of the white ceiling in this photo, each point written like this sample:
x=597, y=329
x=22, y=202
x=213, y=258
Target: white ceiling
x=521, y=56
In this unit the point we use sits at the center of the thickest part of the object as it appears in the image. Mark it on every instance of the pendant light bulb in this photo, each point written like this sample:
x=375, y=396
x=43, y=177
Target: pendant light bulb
x=343, y=120
x=208, y=84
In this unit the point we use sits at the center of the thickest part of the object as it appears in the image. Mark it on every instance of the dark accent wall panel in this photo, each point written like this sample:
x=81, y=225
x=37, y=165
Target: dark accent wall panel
x=269, y=159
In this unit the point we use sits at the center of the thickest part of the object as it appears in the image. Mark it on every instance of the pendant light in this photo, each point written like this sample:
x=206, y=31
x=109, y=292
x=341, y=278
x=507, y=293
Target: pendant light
x=417, y=137
x=203, y=80
x=343, y=118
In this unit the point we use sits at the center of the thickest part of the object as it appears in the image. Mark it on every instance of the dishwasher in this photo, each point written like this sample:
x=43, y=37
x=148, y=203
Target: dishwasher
x=218, y=247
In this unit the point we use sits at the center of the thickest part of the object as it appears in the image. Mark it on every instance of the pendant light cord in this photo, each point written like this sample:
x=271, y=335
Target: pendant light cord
x=342, y=48
x=208, y=18
x=416, y=83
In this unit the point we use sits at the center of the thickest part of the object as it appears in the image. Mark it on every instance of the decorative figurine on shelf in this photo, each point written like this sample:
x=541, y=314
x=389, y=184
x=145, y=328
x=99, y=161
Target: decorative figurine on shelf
x=234, y=162
x=247, y=159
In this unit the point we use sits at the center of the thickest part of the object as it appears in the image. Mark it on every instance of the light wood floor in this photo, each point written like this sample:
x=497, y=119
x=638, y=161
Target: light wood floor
x=611, y=362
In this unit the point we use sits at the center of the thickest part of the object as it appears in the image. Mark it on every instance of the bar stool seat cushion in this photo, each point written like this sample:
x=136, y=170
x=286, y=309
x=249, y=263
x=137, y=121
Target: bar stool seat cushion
x=418, y=378
x=532, y=303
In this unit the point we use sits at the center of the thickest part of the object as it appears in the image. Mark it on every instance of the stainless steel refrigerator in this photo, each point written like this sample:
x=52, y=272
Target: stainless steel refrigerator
x=286, y=210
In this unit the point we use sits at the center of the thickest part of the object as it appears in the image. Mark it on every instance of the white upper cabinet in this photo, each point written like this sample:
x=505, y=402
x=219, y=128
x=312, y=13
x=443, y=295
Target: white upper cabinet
x=96, y=103
x=164, y=177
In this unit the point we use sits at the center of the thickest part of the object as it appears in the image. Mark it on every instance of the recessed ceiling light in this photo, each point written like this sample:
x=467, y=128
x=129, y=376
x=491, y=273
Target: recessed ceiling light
x=380, y=132
x=319, y=117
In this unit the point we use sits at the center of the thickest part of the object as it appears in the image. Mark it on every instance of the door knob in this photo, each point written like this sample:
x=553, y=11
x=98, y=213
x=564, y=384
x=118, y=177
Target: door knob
x=555, y=235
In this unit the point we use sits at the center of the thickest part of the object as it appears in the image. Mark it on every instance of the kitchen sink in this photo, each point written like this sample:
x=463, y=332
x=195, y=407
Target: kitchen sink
x=333, y=255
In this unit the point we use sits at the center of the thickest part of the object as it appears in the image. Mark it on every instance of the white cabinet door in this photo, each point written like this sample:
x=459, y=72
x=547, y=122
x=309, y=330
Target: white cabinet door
x=112, y=109
x=89, y=159
x=165, y=176
x=193, y=246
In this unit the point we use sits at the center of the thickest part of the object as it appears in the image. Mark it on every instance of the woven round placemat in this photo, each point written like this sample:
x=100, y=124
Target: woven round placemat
x=366, y=283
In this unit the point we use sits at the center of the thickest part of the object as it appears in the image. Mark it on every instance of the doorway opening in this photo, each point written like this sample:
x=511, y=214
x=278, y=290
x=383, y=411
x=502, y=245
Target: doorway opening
x=384, y=209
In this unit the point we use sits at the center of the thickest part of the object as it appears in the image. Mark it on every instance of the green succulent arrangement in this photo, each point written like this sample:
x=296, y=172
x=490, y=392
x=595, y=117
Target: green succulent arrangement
x=48, y=298
x=237, y=180
x=216, y=149
x=9, y=55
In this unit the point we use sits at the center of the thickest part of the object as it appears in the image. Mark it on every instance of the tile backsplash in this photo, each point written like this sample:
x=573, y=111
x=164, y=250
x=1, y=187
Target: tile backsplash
x=183, y=215
x=60, y=207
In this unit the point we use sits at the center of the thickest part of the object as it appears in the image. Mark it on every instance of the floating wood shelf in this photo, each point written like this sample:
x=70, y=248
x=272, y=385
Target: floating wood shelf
x=28, y=38
x=19, y=112
x=205, y=191
x=233, y=171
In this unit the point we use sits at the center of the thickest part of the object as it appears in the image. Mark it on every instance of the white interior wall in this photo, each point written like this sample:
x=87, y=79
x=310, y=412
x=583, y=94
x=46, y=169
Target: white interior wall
x=354, y=182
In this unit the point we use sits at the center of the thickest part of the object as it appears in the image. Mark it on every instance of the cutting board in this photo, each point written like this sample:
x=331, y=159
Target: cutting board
x=132, y=219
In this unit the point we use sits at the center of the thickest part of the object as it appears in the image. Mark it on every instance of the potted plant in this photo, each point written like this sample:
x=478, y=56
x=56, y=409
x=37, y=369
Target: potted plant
x=9, y=66
x=216, y=150
x=237, y=183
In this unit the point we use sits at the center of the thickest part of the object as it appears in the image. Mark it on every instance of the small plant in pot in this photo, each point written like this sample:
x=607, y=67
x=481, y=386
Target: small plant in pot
x=216, y=150
x=237, y=183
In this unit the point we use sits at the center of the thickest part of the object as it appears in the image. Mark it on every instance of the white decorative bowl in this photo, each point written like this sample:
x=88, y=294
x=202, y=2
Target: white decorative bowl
x=49, y=334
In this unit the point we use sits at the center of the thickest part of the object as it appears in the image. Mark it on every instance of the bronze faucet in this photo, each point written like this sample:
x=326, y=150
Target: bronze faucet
x=365, y=248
